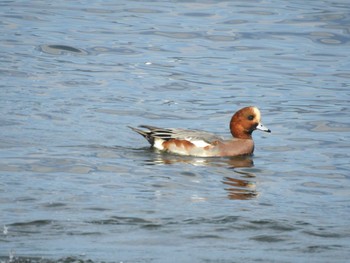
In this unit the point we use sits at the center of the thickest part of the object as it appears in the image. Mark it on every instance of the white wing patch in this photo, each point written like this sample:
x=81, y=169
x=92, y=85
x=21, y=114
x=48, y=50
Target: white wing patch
x=199, y=143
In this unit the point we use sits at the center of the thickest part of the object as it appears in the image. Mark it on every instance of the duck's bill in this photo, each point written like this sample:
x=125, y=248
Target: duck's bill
x=262, y=128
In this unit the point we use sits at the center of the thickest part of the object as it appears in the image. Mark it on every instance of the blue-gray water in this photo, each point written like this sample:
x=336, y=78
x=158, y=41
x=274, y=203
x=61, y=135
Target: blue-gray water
x=77, y=185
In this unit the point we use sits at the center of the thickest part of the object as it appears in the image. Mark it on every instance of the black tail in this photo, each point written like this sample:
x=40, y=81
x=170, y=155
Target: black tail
x=146, y=134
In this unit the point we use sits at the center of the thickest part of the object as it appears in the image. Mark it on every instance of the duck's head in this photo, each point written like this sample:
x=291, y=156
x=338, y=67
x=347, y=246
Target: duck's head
x=245, y=121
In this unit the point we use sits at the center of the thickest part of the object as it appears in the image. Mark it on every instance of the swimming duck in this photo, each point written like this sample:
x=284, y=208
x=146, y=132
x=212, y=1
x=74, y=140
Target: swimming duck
x=205, y=144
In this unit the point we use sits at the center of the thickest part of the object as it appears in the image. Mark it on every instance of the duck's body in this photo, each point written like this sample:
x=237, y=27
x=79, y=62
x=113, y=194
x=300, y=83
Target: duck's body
x=205, y=144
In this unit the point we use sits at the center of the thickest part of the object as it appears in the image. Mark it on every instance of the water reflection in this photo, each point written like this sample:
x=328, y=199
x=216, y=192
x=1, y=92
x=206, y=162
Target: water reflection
x=231, y=162
x=241, y=188
x=239, y=185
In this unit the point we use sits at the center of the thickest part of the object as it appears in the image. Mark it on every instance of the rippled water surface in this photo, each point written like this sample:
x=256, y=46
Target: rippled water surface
x=76, y=183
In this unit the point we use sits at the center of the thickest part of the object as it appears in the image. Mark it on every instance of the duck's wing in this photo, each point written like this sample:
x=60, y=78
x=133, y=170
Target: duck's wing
x=197, y=137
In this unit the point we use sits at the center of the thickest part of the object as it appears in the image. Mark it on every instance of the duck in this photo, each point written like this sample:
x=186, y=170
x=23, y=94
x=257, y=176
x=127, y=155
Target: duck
x=205, y=144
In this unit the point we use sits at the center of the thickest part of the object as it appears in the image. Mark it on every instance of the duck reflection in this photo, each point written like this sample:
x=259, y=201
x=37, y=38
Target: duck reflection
x=239, y=185
x=230, y=162
x=241, y=188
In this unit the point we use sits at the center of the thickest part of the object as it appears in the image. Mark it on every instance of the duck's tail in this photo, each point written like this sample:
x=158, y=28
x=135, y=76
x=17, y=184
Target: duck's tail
x=146, y=134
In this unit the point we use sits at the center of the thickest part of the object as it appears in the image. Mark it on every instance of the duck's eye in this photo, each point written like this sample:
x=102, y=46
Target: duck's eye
x=251, y=117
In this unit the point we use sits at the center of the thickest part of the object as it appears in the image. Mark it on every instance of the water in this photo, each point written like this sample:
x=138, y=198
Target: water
x=77, y=185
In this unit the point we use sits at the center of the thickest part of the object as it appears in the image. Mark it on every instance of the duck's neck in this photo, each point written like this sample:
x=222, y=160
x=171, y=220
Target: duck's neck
x=239, y=132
